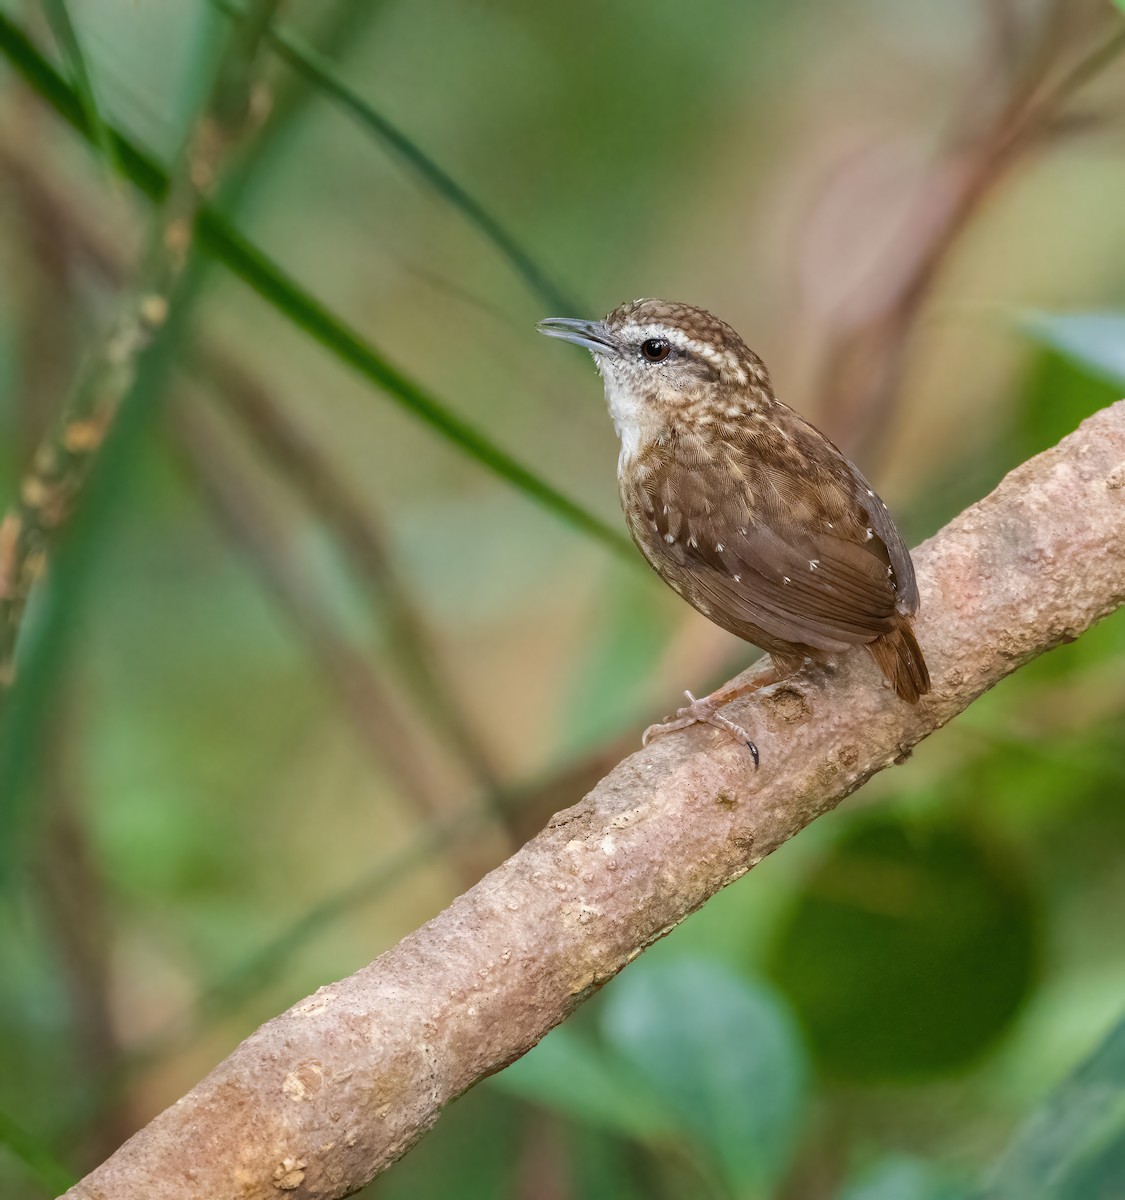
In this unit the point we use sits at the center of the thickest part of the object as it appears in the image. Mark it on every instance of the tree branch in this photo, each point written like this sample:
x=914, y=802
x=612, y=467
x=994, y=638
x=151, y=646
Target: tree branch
x=324, y=1097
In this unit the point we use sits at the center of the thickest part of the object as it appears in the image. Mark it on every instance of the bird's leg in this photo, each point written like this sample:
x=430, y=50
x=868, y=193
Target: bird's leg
x=705, y=710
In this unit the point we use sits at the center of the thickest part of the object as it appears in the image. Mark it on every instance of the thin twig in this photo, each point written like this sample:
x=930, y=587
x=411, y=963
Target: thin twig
x=298, y=457
x=366, y=701
x=862, y=370
x=64, y=459
x=321, y=486
x=73, y=903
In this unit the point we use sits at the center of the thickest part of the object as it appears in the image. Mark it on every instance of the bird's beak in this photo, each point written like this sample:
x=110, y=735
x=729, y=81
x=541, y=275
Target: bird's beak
x=592, y=335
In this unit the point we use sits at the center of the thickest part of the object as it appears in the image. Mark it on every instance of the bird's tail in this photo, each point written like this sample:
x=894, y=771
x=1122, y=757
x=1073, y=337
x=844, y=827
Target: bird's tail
x=898, y=656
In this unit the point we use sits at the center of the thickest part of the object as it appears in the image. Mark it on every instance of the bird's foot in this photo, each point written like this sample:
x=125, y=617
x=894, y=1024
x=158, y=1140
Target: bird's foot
x=704, y=711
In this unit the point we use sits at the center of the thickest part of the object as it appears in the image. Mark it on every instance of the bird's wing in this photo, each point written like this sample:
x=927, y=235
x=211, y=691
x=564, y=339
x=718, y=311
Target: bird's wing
x=796, y=554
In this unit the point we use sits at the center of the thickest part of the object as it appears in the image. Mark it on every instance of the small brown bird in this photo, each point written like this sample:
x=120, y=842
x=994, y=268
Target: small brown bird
x=742, y=507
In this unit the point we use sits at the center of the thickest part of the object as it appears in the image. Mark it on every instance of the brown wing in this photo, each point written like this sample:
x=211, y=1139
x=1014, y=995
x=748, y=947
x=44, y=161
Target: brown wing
x=794, y=548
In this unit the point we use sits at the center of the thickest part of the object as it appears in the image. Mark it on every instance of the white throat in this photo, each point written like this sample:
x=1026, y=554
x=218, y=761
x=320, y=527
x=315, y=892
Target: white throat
x=627, y=417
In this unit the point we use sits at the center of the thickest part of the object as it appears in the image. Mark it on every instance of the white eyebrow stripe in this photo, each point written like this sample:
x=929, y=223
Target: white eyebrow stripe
x=677, y=337
x=682, y=341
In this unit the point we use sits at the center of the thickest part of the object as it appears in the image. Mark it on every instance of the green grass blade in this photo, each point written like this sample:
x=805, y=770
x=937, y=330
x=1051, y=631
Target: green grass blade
x=252, y=266
x=58, y=16
x=38, y=1160
x=257, y=270
x=318, y=70
x=140, y=169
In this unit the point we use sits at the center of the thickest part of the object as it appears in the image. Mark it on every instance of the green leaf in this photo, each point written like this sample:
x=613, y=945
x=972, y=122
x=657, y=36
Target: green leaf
x=903, y=1178
x=1073, y=1148
x=568, y=1073
x=257, y=270
x=1057, y=395
x=322, y=74
x=1096, y=340
x=724, y=1055
x=62, y=27
x=909, y=950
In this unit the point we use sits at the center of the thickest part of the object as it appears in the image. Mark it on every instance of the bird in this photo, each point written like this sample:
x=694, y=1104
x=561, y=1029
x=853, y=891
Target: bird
x=744, y=508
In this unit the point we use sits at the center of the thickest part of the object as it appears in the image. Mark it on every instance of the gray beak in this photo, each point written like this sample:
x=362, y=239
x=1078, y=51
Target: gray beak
x=592, y=335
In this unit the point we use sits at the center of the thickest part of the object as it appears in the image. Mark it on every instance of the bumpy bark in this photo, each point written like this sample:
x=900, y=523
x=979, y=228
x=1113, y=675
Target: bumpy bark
x=328, y=1094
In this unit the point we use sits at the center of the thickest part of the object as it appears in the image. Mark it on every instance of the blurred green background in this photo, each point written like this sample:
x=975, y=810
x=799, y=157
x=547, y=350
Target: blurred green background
x=330, y=667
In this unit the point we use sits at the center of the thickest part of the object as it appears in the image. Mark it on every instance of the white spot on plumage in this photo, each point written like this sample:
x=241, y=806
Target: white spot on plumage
x=718, y=547
x=870, y=534
x=738, y=579
x=669, y=538
x=786, y=579
x=692, y=542
x=814, y=563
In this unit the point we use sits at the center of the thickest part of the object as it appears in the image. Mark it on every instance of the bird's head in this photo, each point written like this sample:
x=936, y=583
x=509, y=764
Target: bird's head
x=666, y=363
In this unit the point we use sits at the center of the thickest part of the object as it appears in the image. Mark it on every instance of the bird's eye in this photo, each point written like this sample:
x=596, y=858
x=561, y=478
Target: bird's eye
x=655, y=349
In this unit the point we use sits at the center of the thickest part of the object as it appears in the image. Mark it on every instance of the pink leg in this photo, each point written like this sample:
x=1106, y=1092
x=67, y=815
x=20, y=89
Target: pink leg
x=705, y=710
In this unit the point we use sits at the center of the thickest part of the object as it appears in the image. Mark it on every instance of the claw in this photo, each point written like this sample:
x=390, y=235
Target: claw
x=701, y=712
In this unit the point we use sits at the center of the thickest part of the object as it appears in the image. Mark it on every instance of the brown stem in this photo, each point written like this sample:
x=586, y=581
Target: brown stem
x=862, y=371
x=73, y=904
x=62, y=463
x=367, y=702
x=330, y=1093
x=318, y=481
x=299, y=458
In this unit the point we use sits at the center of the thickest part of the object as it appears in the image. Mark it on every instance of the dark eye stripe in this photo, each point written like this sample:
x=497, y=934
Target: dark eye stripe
x=655, y=349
